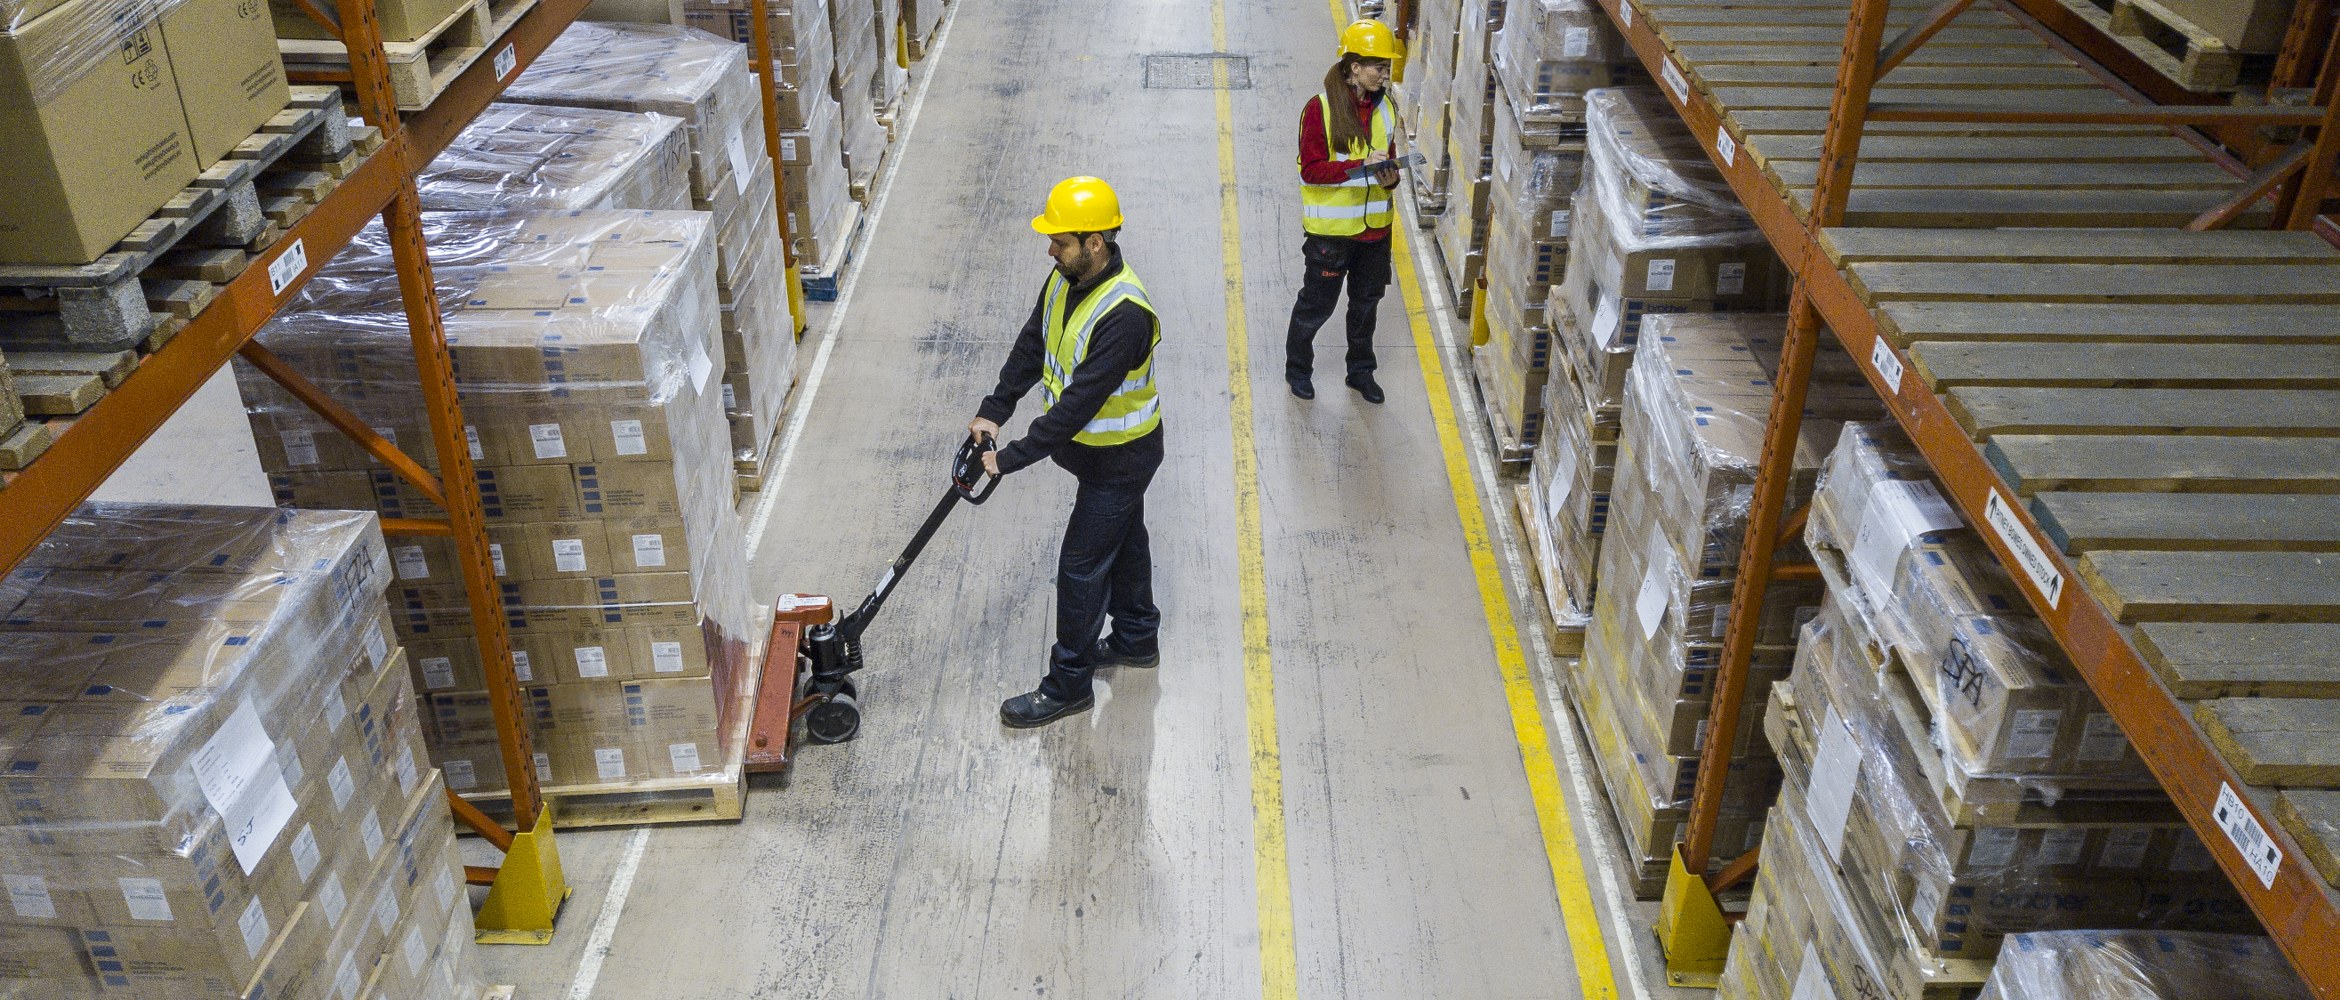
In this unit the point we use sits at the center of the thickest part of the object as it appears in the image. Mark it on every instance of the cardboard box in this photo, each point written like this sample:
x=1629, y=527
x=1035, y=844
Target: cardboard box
x=676, y=725
x=647, y=544
x=628, y=490
x=231, y=80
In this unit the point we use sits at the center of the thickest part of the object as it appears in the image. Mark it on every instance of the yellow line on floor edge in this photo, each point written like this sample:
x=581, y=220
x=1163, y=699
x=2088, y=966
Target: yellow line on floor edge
x=1279, y=968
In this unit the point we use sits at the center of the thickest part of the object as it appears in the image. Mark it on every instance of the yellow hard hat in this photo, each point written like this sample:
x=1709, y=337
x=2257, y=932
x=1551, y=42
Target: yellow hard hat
x=1369, y=38
x=1079, y=205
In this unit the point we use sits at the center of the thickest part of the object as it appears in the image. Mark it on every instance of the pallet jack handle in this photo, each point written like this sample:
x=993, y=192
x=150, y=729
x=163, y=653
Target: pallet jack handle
x=969, y=482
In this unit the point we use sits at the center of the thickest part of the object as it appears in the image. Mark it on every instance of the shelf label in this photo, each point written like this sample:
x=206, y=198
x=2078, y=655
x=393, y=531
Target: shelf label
x=1676, y=82
x=2250, y=839
x=2028, y=553
x=1724, y=146
x=1625, y=12
x=287, y=266
x=1887, y=363
x=507, y=60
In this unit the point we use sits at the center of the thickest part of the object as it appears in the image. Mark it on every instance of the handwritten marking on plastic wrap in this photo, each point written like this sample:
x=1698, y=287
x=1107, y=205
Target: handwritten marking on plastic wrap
x=1835, y=771
x=236, y=769
x=2249, y=838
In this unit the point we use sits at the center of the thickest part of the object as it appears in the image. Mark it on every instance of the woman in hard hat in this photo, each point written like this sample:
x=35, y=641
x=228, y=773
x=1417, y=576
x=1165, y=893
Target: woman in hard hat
x=1345, y=206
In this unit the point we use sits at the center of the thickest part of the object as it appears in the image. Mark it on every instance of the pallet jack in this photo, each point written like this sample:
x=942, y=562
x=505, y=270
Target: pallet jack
x=819, y=692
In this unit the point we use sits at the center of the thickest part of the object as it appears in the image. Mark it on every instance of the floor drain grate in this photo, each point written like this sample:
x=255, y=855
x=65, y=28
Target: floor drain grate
x=1194, y=72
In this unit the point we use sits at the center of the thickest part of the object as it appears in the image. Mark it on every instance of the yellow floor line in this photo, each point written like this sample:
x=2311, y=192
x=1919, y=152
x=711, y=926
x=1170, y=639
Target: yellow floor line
x=1279, y=969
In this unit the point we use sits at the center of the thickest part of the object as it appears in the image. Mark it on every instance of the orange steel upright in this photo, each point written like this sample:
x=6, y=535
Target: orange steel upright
x=760, y=61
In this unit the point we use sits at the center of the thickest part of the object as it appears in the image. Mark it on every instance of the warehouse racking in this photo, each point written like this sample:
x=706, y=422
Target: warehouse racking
x=1900, y=277
x=527, y=890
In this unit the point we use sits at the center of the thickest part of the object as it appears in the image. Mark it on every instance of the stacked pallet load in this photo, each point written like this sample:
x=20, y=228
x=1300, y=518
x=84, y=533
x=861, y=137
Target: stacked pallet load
x=922, y=18
x=584, y=344
x=1652, y=231
x=1548, y=53
x=705, y=82
x=1695, y=407
x=865, y=63
x=1461, y=230
x=217, y=785
x=525, y=156
x=426, y=44
x=2142, y=965
x=1950, y=781
x=804, y=52
x=1424, y=96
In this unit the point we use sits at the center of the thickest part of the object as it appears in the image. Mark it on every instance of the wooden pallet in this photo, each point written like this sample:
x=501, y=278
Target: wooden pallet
x=751, y=474
x=420, y=69
x=145, y=289
x=2189, y=56
x=1563, y=624
x=821, y=278
x=1511, y=450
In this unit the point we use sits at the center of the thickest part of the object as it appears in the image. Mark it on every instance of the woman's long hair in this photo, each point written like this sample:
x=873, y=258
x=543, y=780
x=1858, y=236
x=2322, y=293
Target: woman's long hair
x=1340, y=109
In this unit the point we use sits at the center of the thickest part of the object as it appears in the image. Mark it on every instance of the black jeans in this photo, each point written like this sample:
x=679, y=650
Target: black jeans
x=1105, y=568
x=1330, y=260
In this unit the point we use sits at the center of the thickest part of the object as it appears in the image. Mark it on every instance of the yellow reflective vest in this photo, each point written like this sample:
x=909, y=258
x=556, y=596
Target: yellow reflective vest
x=1135, y=409
x=1356, y=205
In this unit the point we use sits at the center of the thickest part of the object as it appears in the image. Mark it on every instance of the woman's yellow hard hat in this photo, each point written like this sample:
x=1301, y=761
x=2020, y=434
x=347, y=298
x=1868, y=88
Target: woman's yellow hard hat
x=1370, y=39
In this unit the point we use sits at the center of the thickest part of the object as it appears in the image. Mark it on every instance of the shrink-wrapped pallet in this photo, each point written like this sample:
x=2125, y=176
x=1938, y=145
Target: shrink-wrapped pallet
x=2142, y=965
x=1549, y=53
x=519, y=156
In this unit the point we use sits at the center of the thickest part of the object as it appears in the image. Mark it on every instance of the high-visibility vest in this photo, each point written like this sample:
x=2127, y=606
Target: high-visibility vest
x=1135, y=409
x=1356, y=205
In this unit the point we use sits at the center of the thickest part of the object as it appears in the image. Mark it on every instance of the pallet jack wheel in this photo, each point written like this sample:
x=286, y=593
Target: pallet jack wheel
x=833, y=721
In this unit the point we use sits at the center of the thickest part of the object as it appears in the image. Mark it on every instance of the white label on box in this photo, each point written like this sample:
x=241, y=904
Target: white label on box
x=29, y=896
x=389, y=434
x=2249, y=838
x=438, y=673
x=236, y=769
x=629, y=437
x=1899, y=511
x=1725, y=147
x=1560, y=224
x=685, y=757
x=1675, y=81
x=610, y=763
x=735, y=145
x=788, y=152
x=701, y=366
x=407, y=773
x=496, y=557
x=345, y=980
x=2125, y=849
x=2191, y=855
x=1928, y=904
x=592, y=662
x=146, y=899
x=1812, y=977
x=2028, y=553
x=544, y=767
x=286, y=267
x=370, y=829
x=666, y=657
x=1657, y=587
x=460, y=776
x=1731, y=279
x=569, y=555
x=1609, y=322
x=548, y=441
x=445, y=887
x=730, y=397
x=1661, y=275
x=254, y=925
x=507, y=60
x=2062, y=846
x=306, y=853
x=415, y=950
x=1722, y=621
x=335, y=901
x=649, y=551
x=411, y=563
x=2035, y=732
x=377, y=647
x=386, y=912
x=292, y=768
x=300, y=446
x=1563, y=481
x=521, y=668
x=2101, y=738
x=342, y=783
x=1576, y=43
x=335, y=709
x=1994, y=847
x=1834, y=773
x=471, y=441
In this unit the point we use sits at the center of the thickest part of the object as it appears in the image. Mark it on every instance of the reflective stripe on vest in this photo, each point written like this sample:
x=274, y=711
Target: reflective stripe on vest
x=1359, y=203
x=1134, y=409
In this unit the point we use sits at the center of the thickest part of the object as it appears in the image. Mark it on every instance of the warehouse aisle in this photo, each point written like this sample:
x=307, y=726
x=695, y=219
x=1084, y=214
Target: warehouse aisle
x=1114, y=855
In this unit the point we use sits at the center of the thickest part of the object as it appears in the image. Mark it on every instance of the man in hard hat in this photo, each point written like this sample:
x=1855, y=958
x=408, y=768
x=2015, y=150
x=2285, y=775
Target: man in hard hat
x=1347, y=127
x=1089, y=345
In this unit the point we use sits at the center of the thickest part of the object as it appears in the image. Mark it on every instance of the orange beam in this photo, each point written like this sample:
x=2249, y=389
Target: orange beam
x=417, y=526
x=349, y=424
x=479, y=823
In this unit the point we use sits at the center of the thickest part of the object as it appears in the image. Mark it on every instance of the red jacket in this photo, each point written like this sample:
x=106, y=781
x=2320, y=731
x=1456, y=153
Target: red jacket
x=1316, y=163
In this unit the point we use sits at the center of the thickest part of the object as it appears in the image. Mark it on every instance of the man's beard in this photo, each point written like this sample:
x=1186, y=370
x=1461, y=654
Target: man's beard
x=1072, y=271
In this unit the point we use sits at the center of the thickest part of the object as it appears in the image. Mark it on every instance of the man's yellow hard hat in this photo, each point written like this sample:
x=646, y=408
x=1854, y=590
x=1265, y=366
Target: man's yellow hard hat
x=1370, y=39
x=1079, y=205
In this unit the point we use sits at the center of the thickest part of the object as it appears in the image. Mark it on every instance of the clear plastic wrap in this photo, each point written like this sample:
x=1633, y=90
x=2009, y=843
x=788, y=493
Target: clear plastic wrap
x=1549, y=52
x=214, y=755
x=821, y=212
x=671, y=70
x=803, y=49
x=2141, y=965
x=57, y=42
x=1527, y=234
x=518, y=156
x=586, y=346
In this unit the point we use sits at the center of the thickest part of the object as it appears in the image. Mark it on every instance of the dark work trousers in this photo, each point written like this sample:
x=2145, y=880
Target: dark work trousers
x=1105, y=568
x=1331, y=260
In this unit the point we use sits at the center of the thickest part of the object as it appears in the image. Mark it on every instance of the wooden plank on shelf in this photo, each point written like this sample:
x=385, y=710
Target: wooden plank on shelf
x=1906, y=322
x=110, y=366
x=2215, y=586
x=1739, y=98
x=1967, y=207
x=58, y=395
x=1950, y=364
x=1988, y=148
x=1988, y=411
x=1827, y=51
x=2074, y=246
x=2316, y=281
x=2281, y=742
x=1814, y=121
x=19, y=447
x=1822, y=75
x=2008, y=36
x=2272, y=522
x=2016, y=175
x=2202, y=660
x=2041, y=463
x=2312, y=817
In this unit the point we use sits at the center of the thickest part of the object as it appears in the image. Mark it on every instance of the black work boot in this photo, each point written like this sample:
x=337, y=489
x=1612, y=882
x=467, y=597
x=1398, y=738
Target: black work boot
x=1039, y=708
x=1366, y=387
x=1302, y=387
x=1109, y=655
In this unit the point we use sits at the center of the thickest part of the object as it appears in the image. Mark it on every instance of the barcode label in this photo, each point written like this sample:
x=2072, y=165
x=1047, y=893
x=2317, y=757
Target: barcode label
x=2250, y=839
x=287, y=266
x=1676, y=82
x=1725, y=147
x=1887, y=363
x=2028, y=553
x=507, y=60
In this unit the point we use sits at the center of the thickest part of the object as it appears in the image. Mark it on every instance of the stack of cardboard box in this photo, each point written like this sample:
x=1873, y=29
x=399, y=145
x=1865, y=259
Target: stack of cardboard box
x=2143, y=965
x=705, y=82
x=177, y=84
x=865, y=67
x=584, y=347
x=1694, y=413
x=1461, y=230
x=521, y=156
x=216, y=784
x=1423, y=97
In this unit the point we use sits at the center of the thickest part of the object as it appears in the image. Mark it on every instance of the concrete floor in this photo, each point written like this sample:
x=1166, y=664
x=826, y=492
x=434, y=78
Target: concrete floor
x=1113, y=855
